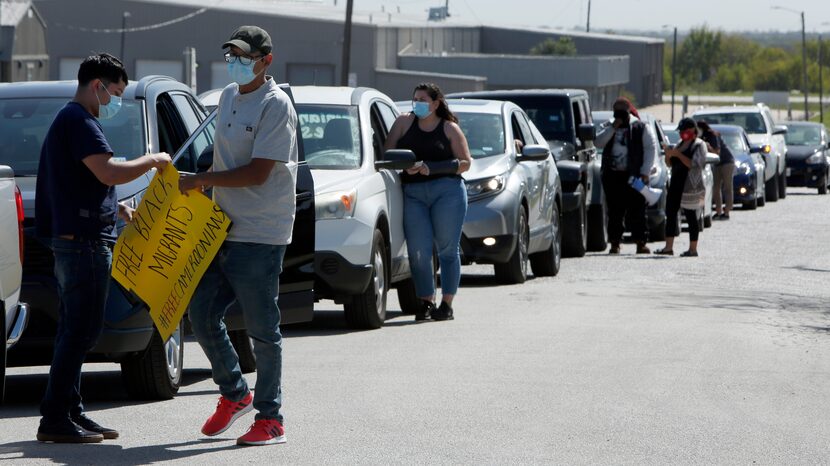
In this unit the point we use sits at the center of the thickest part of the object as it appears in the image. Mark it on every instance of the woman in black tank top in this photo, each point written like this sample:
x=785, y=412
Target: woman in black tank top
x=435, y=197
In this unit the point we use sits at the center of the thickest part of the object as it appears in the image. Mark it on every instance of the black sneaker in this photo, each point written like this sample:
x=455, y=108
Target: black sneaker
x=427, y=309
x=92, y=426
x=66, y=431
x=724, y=217
x=444, y=312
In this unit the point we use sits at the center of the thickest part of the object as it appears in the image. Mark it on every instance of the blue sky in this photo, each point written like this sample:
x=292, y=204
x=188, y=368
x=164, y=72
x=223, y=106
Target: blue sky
x=732, y=15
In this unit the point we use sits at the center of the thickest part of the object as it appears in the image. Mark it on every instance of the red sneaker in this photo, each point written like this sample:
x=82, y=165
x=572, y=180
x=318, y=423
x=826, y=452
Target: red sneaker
x=263, y=432
x=227, y=412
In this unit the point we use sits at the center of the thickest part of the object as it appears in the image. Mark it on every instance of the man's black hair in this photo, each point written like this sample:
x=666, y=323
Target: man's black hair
x=102, y=66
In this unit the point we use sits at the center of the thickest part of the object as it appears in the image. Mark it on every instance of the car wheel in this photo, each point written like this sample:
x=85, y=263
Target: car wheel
x=244, y=347
x=515, y=269
x=3, y=358
x=822, y=187
x=782, y=186
x=750, y=205
x=546, y=263
x=368, y=309
x=407, y=296
x=156, y=373
x=771, y=188
x=762, y=199
x=707, y=221
x=658, y=233
x=575, y=234
x=597, y=226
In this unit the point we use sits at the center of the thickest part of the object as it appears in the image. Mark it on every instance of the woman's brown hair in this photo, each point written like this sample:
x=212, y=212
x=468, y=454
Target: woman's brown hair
x=435, y=93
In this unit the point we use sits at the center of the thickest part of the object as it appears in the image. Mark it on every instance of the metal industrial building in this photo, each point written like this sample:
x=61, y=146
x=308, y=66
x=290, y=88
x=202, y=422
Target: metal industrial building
x=389, y=52
x=23, y=55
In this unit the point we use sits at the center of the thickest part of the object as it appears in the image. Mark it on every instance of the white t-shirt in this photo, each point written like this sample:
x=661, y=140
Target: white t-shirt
x=261, y=124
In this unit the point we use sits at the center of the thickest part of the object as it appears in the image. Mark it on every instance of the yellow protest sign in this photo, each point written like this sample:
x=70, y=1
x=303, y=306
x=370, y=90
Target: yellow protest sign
x=161, y=256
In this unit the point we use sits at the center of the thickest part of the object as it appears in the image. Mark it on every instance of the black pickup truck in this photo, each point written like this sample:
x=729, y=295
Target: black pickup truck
x=564, y=118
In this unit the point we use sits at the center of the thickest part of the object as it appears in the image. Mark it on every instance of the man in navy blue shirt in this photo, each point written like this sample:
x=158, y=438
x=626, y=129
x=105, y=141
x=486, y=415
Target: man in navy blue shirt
x=75, y=212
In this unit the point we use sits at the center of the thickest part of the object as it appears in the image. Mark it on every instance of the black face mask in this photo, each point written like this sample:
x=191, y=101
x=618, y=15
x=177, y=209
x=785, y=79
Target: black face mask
x=621, y=115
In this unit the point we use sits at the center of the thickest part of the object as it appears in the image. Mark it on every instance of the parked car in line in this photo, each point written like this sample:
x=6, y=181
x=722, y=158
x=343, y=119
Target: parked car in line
x=658, y=175
x=563, y=116
x=514, y=193
x=157, y=114
x=808, y=155
x=15, y=313
x=671, y=132
x=748, y=180
x=360, y=248
x=762, y=131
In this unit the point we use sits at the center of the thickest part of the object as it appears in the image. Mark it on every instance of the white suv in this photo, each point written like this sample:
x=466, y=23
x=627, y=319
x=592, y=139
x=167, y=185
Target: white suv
x=359, y=241
x=762, y=132
x=16, y=314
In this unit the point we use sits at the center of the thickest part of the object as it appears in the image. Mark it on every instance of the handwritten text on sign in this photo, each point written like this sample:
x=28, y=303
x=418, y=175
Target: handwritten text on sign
x=162, y=255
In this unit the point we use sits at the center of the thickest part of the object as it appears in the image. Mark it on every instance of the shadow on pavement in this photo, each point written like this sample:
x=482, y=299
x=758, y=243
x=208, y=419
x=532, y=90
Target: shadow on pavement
x=111, y=454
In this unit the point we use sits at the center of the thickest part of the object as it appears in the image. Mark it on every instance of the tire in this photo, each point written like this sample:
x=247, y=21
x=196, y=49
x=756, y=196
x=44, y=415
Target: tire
x=408, y=297
x=244, y=347
x=822, y=189
x=3, y=358
x=547, y=263
x=782, y=186
x=707, y=221
x=575, y=232
x=155, y=374
x=515, y=269
x=762, y=201
x=368, y=309
x=771, y=188
x=597, y=226
x=750, y=205
x=658, y=233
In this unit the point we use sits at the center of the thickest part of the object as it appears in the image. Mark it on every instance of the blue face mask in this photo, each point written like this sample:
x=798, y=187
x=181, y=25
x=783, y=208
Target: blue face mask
x=109, y=110
x=421, y=109
x=241, y=74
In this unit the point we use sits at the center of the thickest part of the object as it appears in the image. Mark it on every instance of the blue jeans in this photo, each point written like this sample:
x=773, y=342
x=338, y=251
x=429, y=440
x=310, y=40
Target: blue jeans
x=82, y=269
x=433, y=214
x=250, y=273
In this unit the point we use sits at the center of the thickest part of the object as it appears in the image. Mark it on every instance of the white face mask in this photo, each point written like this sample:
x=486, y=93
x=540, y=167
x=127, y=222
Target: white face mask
x=109, y=110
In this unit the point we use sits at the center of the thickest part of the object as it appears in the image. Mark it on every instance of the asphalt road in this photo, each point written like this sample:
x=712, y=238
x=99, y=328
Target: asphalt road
x=619, y=360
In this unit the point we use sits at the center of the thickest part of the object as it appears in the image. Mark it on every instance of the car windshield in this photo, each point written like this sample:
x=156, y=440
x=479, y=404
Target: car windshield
x=734, y=141
x=484, y=133
x=673, y=135
x=550, y=114
x=803, y=135
x=25, y=122
x=752, y=123
x=331, y=136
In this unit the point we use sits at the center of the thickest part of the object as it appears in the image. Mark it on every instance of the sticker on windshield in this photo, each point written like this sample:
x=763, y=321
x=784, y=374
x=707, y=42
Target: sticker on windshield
x=487, y=148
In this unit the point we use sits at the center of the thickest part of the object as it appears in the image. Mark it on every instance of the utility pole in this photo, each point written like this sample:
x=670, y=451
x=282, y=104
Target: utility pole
x=673, y=70
x=347, y=45
x=124, y=17
x=804, y=65
x=588, y=24
x=820, y=84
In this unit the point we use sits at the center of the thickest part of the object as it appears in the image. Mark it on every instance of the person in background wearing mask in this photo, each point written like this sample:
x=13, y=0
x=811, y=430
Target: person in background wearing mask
x=629, y=151
x=75, y=211
x=686, y=189
x=724, y=171
x=435, y=197
x=254, y=178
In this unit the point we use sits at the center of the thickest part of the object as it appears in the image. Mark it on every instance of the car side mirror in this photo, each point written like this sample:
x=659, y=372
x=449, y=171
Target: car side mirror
x=205, y=160
x=586, y=132
x=779, y=130
x=396, y=159
x=712, y=158
x=533, y=153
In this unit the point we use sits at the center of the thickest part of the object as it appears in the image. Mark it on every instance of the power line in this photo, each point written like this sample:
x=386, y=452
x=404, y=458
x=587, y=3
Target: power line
x=148, y=27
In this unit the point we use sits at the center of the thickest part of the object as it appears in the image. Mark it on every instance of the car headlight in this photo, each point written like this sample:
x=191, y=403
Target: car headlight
x=485, y=186
x=816, y=158
x=335, y=205
x=743, y=168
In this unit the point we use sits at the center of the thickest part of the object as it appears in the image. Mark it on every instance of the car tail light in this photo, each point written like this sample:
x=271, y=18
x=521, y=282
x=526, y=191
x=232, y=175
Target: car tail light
x=18, y=201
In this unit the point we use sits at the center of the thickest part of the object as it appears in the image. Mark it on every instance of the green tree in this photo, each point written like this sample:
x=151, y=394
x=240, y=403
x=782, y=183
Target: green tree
x=562, y=46
x=698, y=55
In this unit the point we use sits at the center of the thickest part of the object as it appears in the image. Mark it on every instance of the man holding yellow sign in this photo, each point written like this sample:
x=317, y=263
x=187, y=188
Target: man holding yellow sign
x=254, y=181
